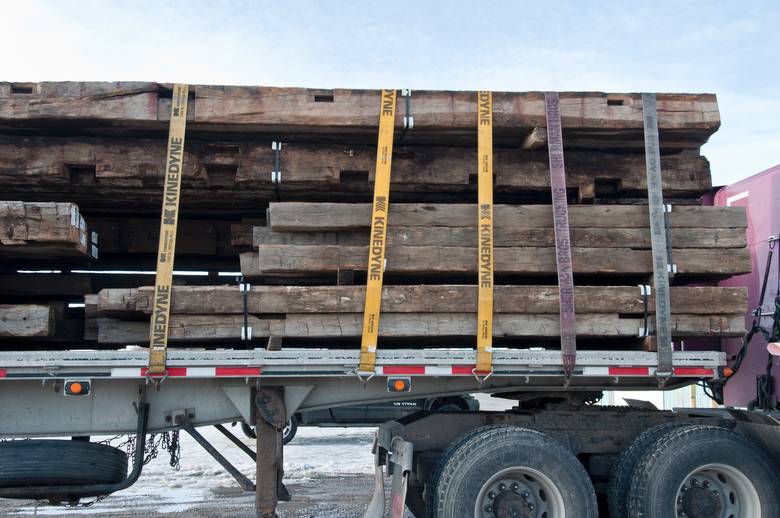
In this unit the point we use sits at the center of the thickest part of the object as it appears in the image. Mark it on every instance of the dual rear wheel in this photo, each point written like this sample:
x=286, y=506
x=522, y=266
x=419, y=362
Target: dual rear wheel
x=693, y=471
x=506, y=471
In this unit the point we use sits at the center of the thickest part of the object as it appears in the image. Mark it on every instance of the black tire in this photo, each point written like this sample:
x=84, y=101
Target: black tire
x=674, y=456
x=57, y=462
x=290, y=430
x=248, y=431
x=623, y=469
x=288, y=435
x=467, y=466
x=453, y=404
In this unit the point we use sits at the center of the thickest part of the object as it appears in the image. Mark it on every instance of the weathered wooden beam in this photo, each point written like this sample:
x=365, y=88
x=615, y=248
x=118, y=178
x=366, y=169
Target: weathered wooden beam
x=43, y=229
x=123, y=164
x=204, y=328
x=727, y=237
x=199, y=300
x=588, y=118
x=26, y=320
x=319, y=217
x=517, y=261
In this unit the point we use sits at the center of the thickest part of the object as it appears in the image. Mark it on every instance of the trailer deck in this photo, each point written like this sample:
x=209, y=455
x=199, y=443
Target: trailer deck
x=219, y=382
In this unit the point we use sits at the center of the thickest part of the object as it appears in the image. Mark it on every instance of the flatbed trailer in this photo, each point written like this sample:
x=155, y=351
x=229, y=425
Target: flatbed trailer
x=211, y=387
x=218, y=384
x=545, y=458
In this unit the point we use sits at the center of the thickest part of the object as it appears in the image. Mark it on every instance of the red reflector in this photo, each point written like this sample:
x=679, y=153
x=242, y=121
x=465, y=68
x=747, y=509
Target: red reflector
x=463, y=369
x=238, y=371
x=403, y=369
x=3, y=373
x=692, y=371
x=172, y=372
x=628, y=371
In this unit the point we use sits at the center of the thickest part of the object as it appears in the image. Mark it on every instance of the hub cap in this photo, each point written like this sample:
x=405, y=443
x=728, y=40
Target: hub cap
x=519, y=492
x=717, y=491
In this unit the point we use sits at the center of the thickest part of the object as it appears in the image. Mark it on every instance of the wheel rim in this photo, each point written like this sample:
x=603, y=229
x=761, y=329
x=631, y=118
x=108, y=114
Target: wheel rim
x=717, y=491
x=519, y=492
x=287, y=429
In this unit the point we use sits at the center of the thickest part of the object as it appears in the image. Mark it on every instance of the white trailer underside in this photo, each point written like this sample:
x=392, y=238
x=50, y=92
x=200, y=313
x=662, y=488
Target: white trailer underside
x=215, y=385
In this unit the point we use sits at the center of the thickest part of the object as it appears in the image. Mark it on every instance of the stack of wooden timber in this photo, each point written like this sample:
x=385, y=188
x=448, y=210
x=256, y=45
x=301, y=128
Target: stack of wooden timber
x=32, y=230
x=34, y=234
x=303, y=243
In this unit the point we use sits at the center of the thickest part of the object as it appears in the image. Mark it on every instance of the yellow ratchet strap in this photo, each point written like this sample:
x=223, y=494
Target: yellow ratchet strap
x=169, y=220
x=485, y=227
x=376, y=249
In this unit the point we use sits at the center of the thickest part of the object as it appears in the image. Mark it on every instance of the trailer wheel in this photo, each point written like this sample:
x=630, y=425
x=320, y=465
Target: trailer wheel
x=704, y=471
x=623, y=469
x=56, y=462
x=502, y=471
x=290, y=429
x=248, y=430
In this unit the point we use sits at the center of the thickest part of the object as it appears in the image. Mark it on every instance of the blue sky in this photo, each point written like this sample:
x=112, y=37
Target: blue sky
x=727, y=48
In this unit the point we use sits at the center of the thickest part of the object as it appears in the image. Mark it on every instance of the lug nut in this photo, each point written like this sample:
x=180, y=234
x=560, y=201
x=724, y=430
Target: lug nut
x=705, y=484
x=515, y=486
x=694, y=482
x=530, y=506
x=524, y=493
x=488, y=508
x=491, y=495
x=502, y=487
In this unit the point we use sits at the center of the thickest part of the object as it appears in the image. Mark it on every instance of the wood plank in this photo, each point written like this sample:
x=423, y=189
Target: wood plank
x=42, y=229
x=504, y=237
x=104, y=165
x=210, y=328
x=517, y=261
x=319, y=217
x=685, y=120
x=26, y=320
x=134, y=302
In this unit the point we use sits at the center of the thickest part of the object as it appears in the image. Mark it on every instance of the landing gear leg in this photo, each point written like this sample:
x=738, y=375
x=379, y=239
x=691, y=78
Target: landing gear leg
x=270, y=418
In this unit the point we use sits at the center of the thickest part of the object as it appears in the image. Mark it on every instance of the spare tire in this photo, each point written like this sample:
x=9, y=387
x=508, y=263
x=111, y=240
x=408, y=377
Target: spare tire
x=43, y=462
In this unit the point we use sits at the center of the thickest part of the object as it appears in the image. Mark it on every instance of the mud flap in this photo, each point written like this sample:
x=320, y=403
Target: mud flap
x=376, y=509
x=399, y=464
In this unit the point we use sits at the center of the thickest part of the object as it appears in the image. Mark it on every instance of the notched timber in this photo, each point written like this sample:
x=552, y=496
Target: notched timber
x=320, y=217
x=137, y=302
x=685, y=120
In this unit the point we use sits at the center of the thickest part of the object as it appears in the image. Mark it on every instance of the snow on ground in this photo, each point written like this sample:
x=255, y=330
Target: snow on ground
x=328, y=470
x=313, y=453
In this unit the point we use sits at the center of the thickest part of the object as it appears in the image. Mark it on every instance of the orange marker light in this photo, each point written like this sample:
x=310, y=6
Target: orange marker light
x=77, y=388
x=728, y=372
x=399, y=385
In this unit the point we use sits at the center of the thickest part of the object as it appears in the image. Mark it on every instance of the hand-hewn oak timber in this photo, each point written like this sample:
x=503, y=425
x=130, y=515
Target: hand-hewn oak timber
x=26, y=320
x=129, y=303
x=639, y=238
x=517, y=261
x=42, y=229
x=319, y=217
x=134, y=108
x=194, y=328
x=104, y=165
